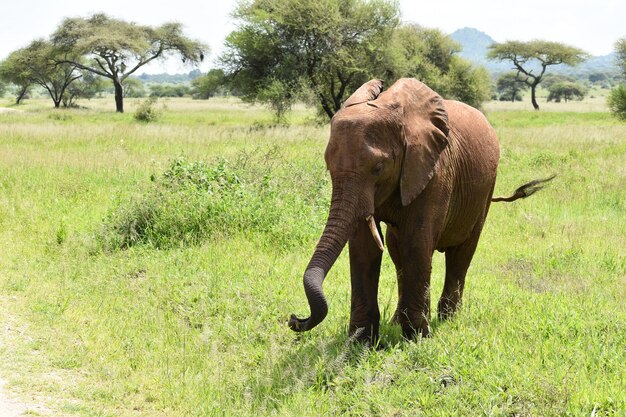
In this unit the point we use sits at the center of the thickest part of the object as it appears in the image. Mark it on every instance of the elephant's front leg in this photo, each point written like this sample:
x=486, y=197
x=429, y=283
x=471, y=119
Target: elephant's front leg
x=365, y=259
x=412, y=259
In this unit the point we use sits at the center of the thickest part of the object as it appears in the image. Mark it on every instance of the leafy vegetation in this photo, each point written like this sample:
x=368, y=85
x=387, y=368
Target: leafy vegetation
x=165, y=90
x=186, y=324
x=284, y=51
x=431, y=56
x=148, y=111
x=510, y=87
x=193, y=201
x=617, y=98
x=617, y=101
x=210, y=84
x=330, y=47
x=35, y=64
x=566, y=91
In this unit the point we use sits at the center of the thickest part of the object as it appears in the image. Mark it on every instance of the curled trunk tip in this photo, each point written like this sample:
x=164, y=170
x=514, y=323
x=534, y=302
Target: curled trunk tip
x=313, y=278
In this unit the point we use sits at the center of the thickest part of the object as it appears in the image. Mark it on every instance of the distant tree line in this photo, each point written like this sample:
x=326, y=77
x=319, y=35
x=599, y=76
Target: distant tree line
x=284, y=51
x=101, y=46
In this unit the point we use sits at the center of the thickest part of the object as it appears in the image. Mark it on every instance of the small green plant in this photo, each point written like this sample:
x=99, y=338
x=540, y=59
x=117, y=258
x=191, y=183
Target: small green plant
x=617, y=101
x=194, y=200
x=147, y=111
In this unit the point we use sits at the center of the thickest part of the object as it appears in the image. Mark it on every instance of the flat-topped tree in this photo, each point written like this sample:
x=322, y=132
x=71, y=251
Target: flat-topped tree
x=115, y=49
x=530, y=59
x=35, y=64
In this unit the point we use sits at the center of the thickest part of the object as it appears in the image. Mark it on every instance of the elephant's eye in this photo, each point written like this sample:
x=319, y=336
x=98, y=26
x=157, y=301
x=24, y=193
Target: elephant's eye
x=378, y=168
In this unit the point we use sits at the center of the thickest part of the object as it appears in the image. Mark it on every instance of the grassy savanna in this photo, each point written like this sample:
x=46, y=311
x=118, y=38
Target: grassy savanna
x=137, y=281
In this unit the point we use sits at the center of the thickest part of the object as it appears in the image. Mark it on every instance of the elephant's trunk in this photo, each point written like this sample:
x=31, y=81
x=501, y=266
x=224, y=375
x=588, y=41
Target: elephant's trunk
x=339, y=227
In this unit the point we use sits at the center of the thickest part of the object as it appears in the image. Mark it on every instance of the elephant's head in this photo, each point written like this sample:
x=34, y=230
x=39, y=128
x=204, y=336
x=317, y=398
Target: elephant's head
x=379, y=142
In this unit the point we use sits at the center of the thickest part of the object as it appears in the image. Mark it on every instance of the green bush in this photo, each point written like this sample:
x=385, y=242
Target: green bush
x=192, y=201
x=617, y=101
x=147, y=111
x=566, y=91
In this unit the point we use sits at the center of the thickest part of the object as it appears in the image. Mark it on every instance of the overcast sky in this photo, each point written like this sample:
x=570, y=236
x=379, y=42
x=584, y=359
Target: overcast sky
x=593, y=25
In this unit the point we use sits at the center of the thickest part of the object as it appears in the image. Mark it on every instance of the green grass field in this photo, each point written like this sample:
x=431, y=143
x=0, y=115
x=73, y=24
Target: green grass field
x=137, y=281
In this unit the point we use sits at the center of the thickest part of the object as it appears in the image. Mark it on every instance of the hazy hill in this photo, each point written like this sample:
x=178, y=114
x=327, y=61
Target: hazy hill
x=475, y=44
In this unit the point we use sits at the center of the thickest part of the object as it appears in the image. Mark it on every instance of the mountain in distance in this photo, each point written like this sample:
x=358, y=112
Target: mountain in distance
x=475, y=45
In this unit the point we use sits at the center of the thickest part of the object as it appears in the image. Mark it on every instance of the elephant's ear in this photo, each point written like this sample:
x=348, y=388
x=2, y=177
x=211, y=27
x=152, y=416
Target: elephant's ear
x=425, y=130
x=367, y=92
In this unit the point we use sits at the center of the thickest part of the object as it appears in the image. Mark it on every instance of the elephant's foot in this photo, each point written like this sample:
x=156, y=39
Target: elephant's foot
x=447, y=307
x=364, y=333
x=413, y=324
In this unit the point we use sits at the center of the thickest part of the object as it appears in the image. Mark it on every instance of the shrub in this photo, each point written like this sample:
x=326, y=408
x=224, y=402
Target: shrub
x=617, y=101
x=566, y=90
x=147, y=111
x=192, y=201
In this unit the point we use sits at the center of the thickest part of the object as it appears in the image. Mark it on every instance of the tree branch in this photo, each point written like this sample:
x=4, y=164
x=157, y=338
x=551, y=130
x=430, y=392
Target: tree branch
x=141, y=63
x=86, y=68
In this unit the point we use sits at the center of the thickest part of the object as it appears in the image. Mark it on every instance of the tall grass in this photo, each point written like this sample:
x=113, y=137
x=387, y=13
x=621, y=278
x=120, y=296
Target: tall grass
x=186, y=316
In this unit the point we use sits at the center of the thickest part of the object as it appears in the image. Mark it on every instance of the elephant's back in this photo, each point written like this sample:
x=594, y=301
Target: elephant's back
x=478, y=138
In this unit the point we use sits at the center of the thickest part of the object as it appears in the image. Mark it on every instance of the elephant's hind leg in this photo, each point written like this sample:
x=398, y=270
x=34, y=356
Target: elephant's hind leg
x=458, y=260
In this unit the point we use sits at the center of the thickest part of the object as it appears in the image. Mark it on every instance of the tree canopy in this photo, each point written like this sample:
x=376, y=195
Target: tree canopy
x=285, y=50
x=328, y=46
x=35, y=64
x=115, y=49
x=531, y=59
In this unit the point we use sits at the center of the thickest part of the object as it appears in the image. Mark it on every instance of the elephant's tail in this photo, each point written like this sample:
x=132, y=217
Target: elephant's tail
x=525, y=190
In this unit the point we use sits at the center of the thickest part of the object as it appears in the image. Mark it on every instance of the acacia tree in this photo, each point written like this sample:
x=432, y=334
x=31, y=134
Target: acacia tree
x=510, y=87
x=16, y=76
x=327, y=47
x=531, y=59
x=35, y=64
x=114, y=49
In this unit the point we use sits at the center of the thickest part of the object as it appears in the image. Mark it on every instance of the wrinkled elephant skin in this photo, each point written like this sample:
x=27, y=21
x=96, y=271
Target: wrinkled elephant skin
x=424, y=166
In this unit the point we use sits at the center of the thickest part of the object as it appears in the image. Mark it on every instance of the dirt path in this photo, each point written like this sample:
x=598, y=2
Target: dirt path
x=10, y=333
x=9, y=407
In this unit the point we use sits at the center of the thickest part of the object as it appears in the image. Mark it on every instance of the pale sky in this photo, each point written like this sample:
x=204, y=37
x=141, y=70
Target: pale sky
x=593, y=25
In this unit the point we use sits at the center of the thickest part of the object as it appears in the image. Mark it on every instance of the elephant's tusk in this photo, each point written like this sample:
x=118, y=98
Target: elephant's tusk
x=372, y=224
